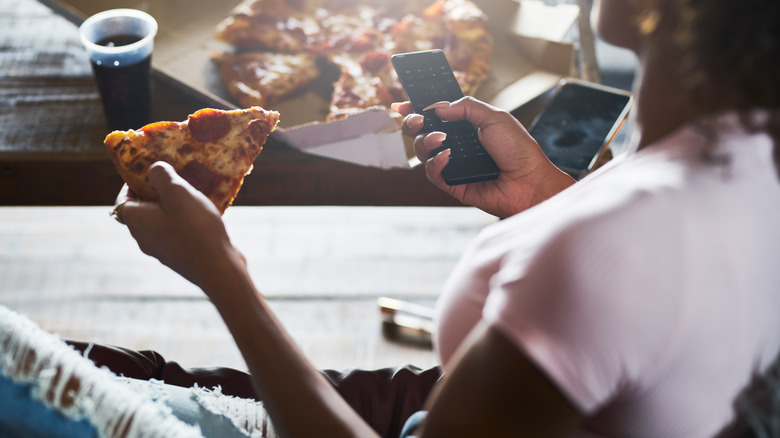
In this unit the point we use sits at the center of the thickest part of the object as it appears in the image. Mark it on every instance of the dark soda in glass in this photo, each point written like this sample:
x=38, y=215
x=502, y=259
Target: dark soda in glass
x=124, y=88
x=119, y=43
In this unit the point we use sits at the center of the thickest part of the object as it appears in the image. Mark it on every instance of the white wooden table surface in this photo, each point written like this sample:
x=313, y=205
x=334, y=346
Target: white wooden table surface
x=79, y=274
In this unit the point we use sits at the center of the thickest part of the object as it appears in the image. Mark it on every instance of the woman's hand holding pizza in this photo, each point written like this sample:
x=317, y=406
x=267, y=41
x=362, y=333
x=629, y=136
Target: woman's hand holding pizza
x=184, y=231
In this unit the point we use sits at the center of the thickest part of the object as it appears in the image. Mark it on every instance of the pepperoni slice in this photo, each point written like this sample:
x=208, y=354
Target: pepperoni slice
x=200, y=176
x=374, y=61
x=208, y=125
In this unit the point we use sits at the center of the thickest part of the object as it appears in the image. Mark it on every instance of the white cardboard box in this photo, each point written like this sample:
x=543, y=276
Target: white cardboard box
x=529, y=58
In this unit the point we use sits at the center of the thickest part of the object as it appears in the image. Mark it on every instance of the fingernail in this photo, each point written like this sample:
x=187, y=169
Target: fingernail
x=435, y=137
x=415, y=121
x=395, y=106
x=443, y=156
x=436, y=105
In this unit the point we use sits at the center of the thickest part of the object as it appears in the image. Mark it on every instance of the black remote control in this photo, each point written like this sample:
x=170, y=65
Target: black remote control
x=427, y=78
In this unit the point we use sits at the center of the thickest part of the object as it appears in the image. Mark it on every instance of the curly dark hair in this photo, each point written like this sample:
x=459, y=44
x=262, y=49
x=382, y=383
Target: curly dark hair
x=729, y=53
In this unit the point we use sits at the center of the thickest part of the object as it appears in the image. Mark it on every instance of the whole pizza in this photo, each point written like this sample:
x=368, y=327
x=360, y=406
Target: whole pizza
x=282, y=46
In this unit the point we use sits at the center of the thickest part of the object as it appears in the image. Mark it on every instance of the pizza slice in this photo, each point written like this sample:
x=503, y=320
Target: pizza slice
x=213, y=150
x=262, y=78
x=367, y=80
x=280, y=25
x=470, y=46
x=457, y=27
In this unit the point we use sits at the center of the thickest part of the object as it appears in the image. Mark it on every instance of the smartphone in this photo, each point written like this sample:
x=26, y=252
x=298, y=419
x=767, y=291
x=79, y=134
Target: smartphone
x=575, y=128
x=427, y=78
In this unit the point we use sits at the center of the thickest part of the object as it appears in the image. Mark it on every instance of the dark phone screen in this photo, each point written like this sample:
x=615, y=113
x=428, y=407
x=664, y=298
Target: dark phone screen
x=573, y=129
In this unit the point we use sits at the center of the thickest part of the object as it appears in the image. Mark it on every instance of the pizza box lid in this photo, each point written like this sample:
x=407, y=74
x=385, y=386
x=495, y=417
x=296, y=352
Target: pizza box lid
x=529, y=58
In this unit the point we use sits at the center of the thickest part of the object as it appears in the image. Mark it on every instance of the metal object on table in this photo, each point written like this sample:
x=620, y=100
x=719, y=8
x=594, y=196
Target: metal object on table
x=406, y=322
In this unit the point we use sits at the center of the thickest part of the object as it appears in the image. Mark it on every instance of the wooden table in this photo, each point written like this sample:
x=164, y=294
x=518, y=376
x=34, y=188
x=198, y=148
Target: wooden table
x=52, y=127
x=79, y=274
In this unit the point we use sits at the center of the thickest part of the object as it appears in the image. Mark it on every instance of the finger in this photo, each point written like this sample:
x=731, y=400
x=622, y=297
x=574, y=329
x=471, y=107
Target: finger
x=468, y=108
x=163, y=178
x=403, y=108
x=175, y=192
x=434, y=166
x=116, y=212
x=426, y=144
x=440, y=104
x=124, y=195
x=132, y=211
x=412, y=124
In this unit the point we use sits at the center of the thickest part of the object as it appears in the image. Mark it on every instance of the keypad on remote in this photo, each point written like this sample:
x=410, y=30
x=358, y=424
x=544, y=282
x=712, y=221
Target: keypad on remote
x=429, y=85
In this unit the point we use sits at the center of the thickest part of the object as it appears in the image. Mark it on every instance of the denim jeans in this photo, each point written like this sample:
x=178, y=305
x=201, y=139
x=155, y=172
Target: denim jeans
x=412, y=423
x=22, y=415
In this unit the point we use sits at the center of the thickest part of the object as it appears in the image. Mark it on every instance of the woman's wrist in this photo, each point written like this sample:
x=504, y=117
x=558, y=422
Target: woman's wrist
x=554, y=182
x=223, y=273
x=530, y=190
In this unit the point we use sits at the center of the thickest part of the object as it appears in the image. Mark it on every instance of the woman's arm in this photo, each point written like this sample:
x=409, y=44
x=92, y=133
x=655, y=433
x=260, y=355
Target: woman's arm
x=492, y=388
x=185, y=232
x=495, y=390
x=300, y=401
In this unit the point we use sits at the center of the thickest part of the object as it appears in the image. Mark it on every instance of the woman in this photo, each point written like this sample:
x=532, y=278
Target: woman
x=636, y=302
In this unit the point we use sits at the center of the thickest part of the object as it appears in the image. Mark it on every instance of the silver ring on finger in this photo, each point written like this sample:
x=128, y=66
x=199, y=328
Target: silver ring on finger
x=116, y=212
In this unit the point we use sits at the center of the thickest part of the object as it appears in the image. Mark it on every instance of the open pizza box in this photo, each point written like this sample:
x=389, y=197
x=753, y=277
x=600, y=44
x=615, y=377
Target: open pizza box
x=529, y=58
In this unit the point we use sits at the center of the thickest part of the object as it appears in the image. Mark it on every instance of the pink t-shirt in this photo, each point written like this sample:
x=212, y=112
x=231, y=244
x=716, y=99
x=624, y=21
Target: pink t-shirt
x=648, y=292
